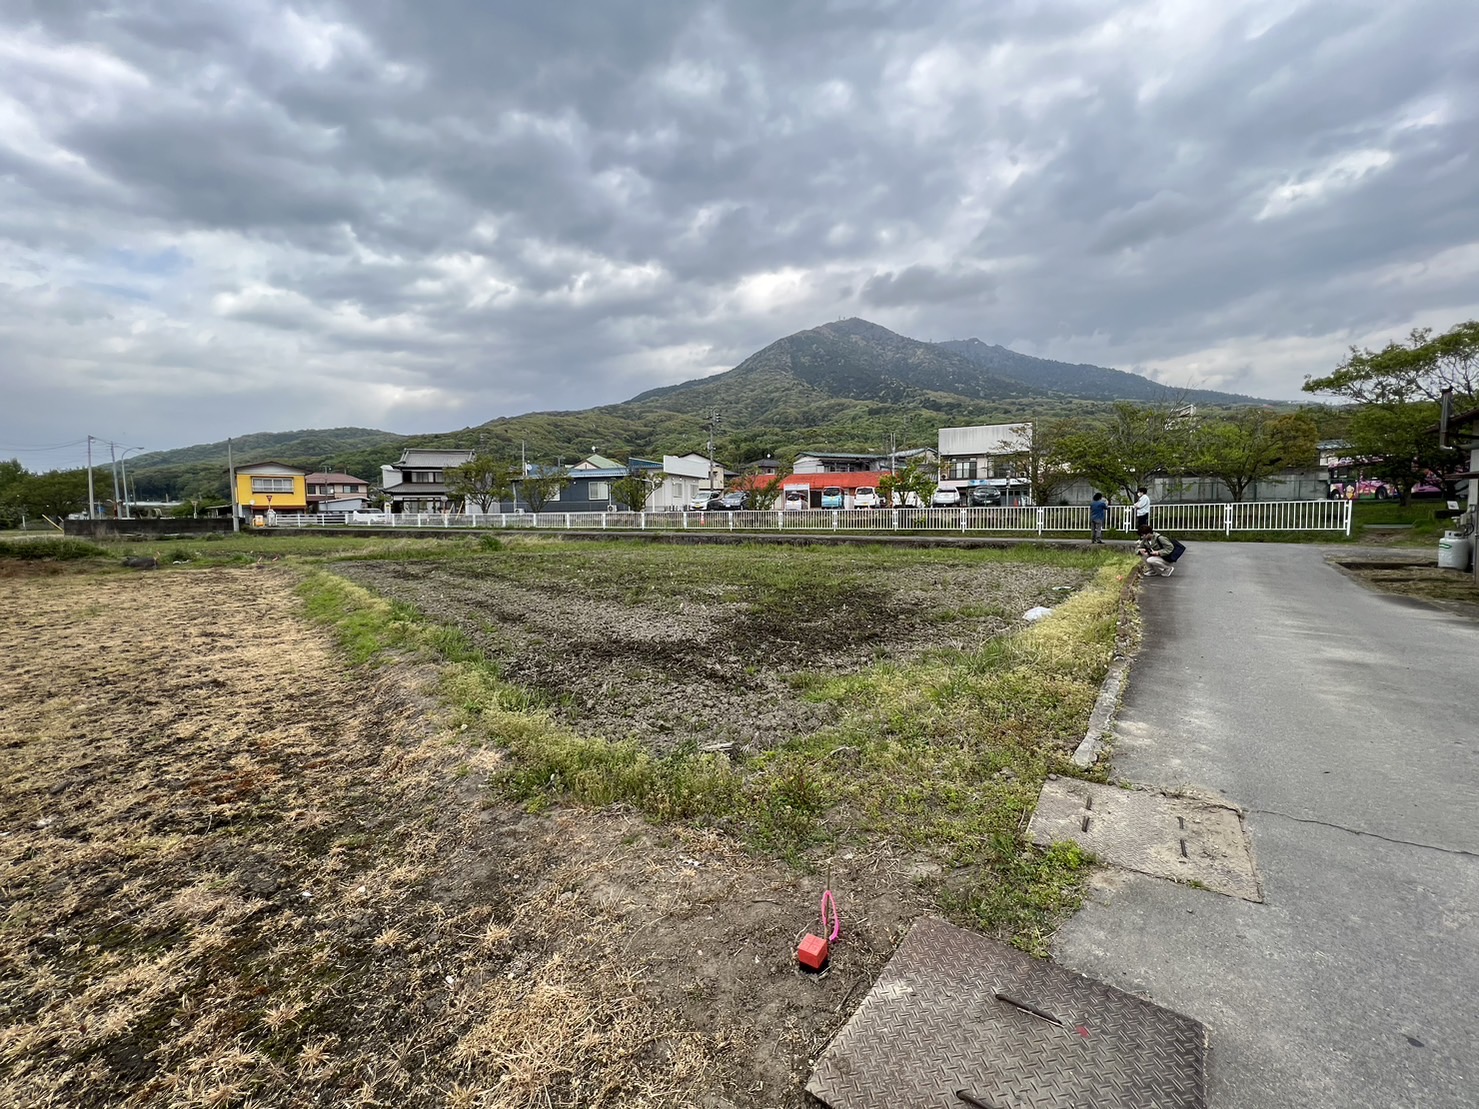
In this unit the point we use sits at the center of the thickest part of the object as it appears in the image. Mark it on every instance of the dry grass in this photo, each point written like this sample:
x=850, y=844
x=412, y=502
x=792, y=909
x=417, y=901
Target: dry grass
x=237, y=873
x=233, y=876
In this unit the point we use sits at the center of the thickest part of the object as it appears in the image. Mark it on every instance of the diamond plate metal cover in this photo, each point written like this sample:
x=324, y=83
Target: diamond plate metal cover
x=933, y=1025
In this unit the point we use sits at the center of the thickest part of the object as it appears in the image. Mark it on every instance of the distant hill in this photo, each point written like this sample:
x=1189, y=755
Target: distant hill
x=279, y=446
x=1083, y=381
x=201, y=469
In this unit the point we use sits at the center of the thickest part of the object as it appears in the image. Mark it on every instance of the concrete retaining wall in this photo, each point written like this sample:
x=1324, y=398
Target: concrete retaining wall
x=153, y=529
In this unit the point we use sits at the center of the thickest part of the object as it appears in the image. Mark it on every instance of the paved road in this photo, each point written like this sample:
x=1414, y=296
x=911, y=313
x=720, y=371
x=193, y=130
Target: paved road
x=1347, y=724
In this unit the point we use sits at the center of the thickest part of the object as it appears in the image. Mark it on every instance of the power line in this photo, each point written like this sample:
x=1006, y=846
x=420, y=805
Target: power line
x=37, y=450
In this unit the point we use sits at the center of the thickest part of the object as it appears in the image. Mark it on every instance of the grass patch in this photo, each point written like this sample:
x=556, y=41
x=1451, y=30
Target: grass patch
x=1425, y=530
x=51, y=549
x=941, y=756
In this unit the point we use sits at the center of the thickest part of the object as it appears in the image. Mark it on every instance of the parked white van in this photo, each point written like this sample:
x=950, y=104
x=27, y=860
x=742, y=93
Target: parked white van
x=866, y=498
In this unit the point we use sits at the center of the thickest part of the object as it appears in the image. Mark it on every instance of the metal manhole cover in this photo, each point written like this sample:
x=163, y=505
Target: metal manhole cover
x=1168, y=837
x=956, y=1012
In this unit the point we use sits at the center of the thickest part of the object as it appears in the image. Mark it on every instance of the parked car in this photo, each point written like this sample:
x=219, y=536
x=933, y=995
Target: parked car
x=797, y=500
x=832, y=497
x=736, y=501
x=984, y=496
x=866, y=498
x=945, y=498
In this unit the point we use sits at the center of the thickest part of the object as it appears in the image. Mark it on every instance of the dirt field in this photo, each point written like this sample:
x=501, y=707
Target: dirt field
x=1416, y=576
x=235, y=873
x=670, y=645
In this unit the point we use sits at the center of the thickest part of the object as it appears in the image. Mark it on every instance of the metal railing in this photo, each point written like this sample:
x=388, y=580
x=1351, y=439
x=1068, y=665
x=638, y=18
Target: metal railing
x=1303, y=516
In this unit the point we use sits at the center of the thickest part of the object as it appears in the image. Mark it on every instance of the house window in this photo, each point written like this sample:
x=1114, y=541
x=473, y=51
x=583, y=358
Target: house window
x=272, y=485
x=962, y=471
x=600, y=491
x=424, y=477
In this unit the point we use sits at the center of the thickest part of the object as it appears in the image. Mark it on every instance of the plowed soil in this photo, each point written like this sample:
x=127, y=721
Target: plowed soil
x=632, y=642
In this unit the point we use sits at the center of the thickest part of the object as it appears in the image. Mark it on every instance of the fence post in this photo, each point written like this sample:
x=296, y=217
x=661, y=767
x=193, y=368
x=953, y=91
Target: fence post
x=1227, y=514
x=603, y=521
x=685, y=520
x=834, y=519
x=1349, y=504
x=780, y=521
x=896, y=519
x=641, y=521
x=1042, y=520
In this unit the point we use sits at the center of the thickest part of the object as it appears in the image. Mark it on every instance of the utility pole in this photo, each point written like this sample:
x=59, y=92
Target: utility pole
x=713, y=428
x=113, y=467
x=92, y=500
x=231, y=478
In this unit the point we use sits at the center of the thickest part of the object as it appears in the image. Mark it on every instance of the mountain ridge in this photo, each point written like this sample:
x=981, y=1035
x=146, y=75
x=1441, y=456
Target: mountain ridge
x=1082, y=379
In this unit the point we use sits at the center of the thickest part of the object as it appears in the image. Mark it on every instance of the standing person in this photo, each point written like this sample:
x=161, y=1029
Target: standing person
x=1098, y=516
x=1142, y=508
x=1157, y=550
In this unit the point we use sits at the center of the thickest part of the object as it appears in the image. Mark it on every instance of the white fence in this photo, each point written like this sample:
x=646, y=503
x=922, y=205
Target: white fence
x=1332, y=516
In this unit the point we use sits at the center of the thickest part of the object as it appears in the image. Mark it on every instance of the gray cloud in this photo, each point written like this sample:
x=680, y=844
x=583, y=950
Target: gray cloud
x=420, y=216
x=918, y=285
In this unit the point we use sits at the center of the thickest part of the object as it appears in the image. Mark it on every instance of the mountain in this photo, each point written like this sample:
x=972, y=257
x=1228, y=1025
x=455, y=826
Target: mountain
x=851, y=360
x=1083, y=381
x=848, y=385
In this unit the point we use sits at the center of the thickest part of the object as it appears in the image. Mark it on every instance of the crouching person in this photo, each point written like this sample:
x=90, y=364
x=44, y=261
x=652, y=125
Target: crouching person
x=1157, y=550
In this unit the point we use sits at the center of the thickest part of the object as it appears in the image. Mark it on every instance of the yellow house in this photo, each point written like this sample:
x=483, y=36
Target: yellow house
x=264, y=487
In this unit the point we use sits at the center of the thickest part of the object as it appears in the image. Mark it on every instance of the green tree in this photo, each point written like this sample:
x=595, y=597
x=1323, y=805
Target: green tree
x=1133, y=442
x=484, y=482
x=911, y=484
x=56, y=493
x=1413, y=371
x=1246, y=447
x=1392, y=431
x=12, y=476
x=1042, y=462
x=541, y=488
x=633, y=490
x=765, y=489
x=1398, y=443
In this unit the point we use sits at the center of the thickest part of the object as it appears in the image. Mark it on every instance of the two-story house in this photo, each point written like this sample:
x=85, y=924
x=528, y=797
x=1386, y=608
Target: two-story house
x=334, y=492
x=263, y=487
x=418, y=482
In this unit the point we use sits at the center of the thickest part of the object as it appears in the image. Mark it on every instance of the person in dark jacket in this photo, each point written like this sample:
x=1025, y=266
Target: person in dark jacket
x=1098, y=517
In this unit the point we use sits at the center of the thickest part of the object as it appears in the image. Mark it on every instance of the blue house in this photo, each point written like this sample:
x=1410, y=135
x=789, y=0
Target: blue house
x=591, y=481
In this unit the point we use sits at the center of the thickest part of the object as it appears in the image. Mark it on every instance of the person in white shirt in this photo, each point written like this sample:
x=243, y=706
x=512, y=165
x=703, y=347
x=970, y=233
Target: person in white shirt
x=1142, y=508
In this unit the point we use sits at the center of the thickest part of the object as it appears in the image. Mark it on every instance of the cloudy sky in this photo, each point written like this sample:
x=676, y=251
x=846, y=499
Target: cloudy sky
x=246, y=215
